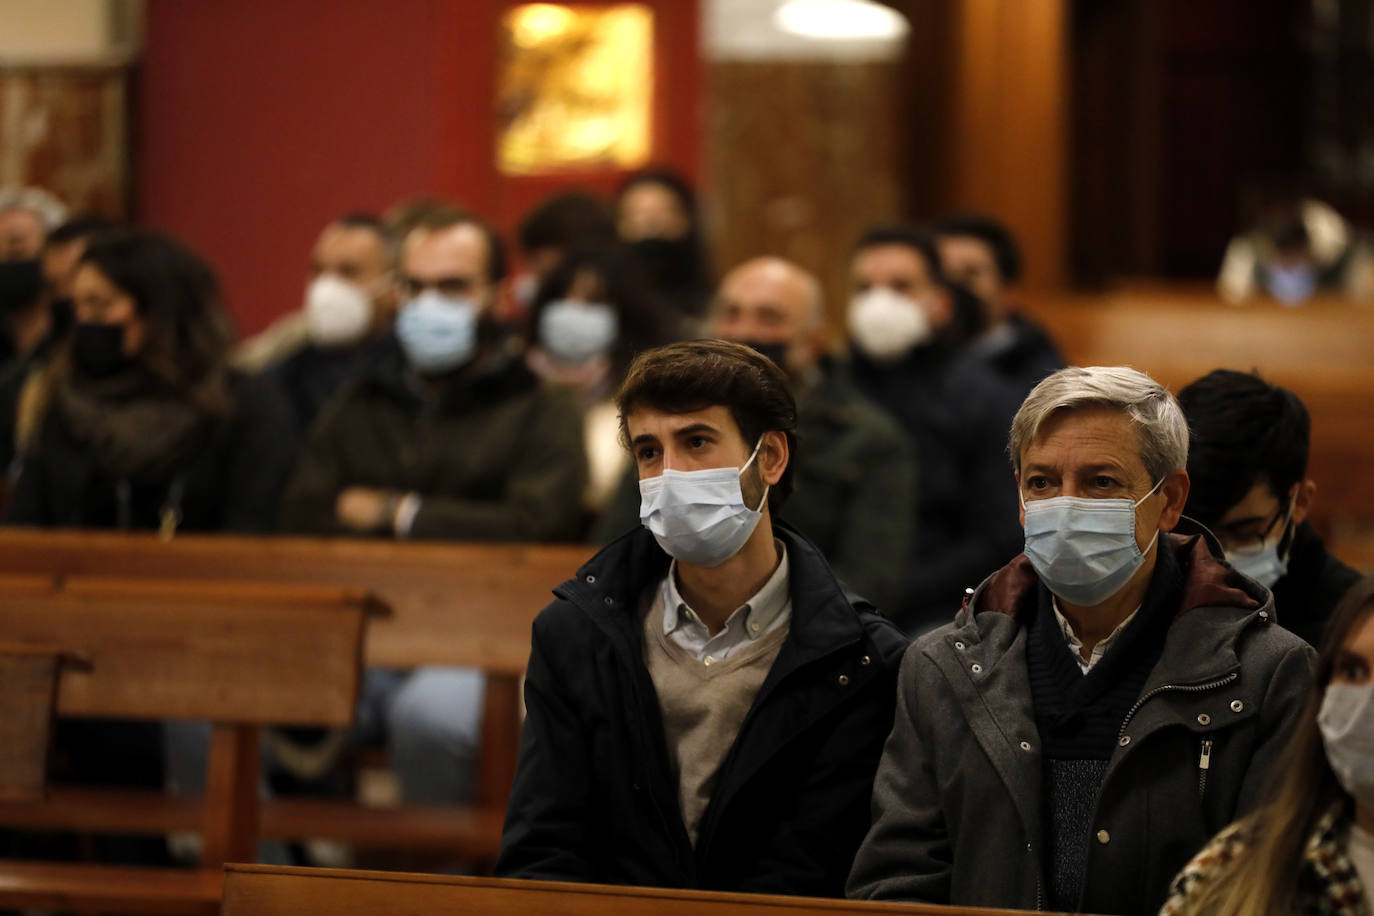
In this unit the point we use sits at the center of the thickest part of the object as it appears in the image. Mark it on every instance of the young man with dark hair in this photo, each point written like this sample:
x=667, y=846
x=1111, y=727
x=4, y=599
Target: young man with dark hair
x=909, y=328
x=705, y=704
x=1250, y=486
x=981, y=254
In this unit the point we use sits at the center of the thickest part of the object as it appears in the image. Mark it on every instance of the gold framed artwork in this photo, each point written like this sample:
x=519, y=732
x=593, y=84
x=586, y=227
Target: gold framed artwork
x=575, y=89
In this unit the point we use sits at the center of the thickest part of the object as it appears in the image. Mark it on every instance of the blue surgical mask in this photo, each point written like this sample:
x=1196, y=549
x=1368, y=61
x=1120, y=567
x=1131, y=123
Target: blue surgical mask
x=700, y=517
x=1290, y=285
x=437, y=333
x=574, y=332
x=1265, y=564
x=1084, y=550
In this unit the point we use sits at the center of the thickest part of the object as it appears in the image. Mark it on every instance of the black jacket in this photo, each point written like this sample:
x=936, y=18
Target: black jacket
x=1315, y=582
x=595, y=798
x=958, y=411
x=1021, y=351
x=231, y=483
x=493, y=454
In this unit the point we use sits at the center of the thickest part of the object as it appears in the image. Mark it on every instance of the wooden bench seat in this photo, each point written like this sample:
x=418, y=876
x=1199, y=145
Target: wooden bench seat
x=470, y=831
x=109, y=889
x=467, y=605
x=267, y=891
x=236, y=655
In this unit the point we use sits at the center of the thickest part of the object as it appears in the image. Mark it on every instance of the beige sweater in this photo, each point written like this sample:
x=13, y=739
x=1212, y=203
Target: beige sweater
x=703, y=705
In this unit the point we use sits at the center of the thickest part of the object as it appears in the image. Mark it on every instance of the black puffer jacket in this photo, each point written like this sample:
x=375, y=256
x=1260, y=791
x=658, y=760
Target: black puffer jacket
x=594, y=796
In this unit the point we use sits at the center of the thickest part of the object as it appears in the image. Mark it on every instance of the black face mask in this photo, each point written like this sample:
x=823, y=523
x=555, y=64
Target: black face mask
x=21, y=283
x=98, y=349
x=63, y=312
x=671, y=263
x=774, y=351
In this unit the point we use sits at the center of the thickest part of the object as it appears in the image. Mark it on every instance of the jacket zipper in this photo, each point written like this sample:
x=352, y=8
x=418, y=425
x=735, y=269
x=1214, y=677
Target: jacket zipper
x=1204, y=763
x=1163, y=688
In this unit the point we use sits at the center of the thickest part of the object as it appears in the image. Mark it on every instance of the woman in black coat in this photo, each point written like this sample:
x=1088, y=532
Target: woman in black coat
x=138, y=424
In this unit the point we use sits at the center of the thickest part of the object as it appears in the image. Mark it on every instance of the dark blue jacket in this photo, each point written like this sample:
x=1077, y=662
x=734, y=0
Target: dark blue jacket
x=595, y=798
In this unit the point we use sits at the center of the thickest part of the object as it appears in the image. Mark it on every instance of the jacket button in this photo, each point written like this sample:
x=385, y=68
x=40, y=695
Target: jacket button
x=1124, y=740
x=1204, y=719
x=1263, y=615
x=609, y=600
x=976, y=668
x=865, y=660
x=591, y=580
x=1104, y=837
x=844, y=680
x=1237, y=706
x=1025, y=745
x=959, y=644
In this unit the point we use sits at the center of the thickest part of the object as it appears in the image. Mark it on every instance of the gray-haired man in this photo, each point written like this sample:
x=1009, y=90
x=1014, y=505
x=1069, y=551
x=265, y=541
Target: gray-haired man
x=1104, y=703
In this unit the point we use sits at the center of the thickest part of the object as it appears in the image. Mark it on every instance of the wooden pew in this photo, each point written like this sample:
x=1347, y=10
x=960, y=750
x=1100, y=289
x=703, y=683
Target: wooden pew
x=237, y=656
x=468, y=605
x=255, y=890
x=1323, y=352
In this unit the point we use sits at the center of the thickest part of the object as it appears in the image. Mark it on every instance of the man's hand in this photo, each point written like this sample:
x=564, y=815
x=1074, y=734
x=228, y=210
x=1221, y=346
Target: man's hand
x=365, y=509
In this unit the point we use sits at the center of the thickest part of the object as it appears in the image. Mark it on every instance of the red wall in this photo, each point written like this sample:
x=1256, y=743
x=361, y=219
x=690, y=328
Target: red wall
x=260, y=120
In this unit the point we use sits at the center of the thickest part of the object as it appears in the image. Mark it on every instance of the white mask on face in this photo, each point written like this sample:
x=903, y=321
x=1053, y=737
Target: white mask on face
x=700, y=517
x=574, y=332
x=1346, y=721
x=886, y=325
x=337, y=313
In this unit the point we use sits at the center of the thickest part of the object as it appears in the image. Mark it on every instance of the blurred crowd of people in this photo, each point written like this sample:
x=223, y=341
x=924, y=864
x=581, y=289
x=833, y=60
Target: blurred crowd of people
x=426, y=389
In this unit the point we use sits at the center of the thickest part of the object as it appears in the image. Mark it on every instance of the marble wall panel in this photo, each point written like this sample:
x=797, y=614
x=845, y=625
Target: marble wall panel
x=801, y=157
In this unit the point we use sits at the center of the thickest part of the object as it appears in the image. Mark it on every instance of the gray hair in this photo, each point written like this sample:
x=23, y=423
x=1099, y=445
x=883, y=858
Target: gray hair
x=1154, y=411
x=50, y=211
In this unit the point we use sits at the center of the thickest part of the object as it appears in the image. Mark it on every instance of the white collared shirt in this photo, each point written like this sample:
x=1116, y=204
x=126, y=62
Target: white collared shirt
x=769, y=609
x=1076, y=644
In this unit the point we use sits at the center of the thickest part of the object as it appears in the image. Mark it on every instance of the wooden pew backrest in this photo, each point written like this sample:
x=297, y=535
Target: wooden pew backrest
x=222, y=652
x=268, y=891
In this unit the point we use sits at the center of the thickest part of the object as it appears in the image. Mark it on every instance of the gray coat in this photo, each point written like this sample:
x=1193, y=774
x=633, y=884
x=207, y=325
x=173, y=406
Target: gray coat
x=957, y=799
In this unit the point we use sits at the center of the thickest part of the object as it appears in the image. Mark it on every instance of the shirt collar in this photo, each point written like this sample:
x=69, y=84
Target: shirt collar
x=1076, y=644
x=757, y=613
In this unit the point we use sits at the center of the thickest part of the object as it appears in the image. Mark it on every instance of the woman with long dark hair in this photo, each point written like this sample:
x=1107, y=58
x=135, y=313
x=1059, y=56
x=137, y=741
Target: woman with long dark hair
x=1309, y=850
x=589, y=318
x=138, y=423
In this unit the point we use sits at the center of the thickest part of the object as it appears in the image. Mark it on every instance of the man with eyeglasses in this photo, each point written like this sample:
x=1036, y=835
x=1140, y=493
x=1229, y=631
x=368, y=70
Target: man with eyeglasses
x=1248, y=465
x=449, y=437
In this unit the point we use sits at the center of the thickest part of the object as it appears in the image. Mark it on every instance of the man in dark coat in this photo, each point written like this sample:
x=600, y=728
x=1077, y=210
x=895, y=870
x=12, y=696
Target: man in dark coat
x=982, y=255
x=706, y=704
x=449, y=437
x=856, y=477
x=1248, y=465
x=909, y=330
x=1105, y=702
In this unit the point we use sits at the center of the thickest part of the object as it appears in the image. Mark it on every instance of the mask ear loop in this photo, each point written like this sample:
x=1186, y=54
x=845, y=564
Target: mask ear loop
x=752, y=456
x=1153, y=540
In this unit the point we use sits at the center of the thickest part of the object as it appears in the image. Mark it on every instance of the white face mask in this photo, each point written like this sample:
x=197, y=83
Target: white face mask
x=1264, y=564
x=337, y=313
x=1346, y=721
x=1083, y=549
x=886, y=325
x=700, y=517
x=574, y=332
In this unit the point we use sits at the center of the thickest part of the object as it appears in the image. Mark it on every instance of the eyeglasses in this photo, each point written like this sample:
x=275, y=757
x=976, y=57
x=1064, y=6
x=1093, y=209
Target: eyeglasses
x=1243, y=538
